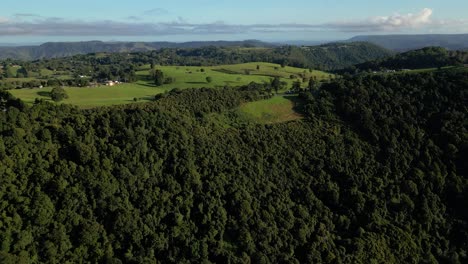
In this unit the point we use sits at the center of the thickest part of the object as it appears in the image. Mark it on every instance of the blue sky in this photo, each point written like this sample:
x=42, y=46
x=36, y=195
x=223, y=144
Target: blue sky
x=183, y=20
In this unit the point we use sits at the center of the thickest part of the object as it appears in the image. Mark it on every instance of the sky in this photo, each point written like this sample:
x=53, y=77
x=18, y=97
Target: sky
x=33, y=21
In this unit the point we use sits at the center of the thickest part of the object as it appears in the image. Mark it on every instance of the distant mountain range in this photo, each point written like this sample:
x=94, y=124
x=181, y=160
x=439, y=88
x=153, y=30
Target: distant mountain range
x=411, y=42
x=63, y=49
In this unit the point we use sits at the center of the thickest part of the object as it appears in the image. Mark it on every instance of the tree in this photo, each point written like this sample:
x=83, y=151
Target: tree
x=209, y=79
x=9, y=72
x=58, y=94
x=275, y=84
x=311, y=84
x=258, y=67
x=296, y=86
x=22, y=73
x=158, y=77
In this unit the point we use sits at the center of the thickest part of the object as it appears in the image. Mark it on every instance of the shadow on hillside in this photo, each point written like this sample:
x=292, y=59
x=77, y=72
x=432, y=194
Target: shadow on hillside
x=196, y=82
x=149, y=85
x=43, y=93
x=226, y=71
x=148, y=98
x=297, y=103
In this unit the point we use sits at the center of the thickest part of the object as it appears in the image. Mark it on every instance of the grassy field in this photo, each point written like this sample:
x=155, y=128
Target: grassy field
x=97, y=96
x=193, y=77
x=185, y=77
x=277, y=109
x=272, y=70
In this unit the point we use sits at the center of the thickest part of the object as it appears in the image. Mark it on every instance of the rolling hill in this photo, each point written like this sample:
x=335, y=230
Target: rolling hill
x=64, y=49
x=324, y=57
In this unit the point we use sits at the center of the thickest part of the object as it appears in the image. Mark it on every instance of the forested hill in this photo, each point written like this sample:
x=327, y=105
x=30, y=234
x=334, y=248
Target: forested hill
x=64, y=49
x=331, y=56
x=430, y=57
x=323, y=57
x=375, y=173
x=410, y=42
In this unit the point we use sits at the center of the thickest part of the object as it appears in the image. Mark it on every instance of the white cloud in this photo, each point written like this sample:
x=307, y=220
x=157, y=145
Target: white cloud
x=386, y=23
x=136, y=27
x=409, y=20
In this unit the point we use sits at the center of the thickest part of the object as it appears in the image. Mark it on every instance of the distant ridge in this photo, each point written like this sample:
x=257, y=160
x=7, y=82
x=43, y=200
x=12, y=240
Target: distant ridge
x=64, y=49
x=411, y=42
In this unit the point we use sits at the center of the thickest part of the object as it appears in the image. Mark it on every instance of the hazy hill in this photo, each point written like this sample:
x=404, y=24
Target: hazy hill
x=64, y=49
x=410, y=42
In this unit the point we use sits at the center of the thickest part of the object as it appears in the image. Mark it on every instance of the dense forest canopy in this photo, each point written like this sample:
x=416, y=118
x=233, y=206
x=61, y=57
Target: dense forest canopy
x=375, y=173
x=429, y=57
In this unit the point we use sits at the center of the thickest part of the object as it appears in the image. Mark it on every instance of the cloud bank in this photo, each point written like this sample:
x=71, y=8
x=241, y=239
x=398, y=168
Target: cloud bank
x=387, y=23
x=39, y=26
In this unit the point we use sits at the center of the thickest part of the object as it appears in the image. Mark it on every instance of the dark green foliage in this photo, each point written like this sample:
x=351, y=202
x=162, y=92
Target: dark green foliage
x=58, y=94
x=276, y=84
x=296, y=86
x=209, y=79
x=417, y=125
x=22, y=73
x=375, y=174
x=430, y=57
x=311, y=85
x=157, y=76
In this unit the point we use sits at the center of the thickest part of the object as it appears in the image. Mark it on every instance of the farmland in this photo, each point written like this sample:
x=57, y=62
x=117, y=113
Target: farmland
x=185, y=77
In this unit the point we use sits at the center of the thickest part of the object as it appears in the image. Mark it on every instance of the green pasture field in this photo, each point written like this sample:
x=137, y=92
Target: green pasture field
x=95, y=96
x=185, y=77
x=277, y=109
x=272, y=70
